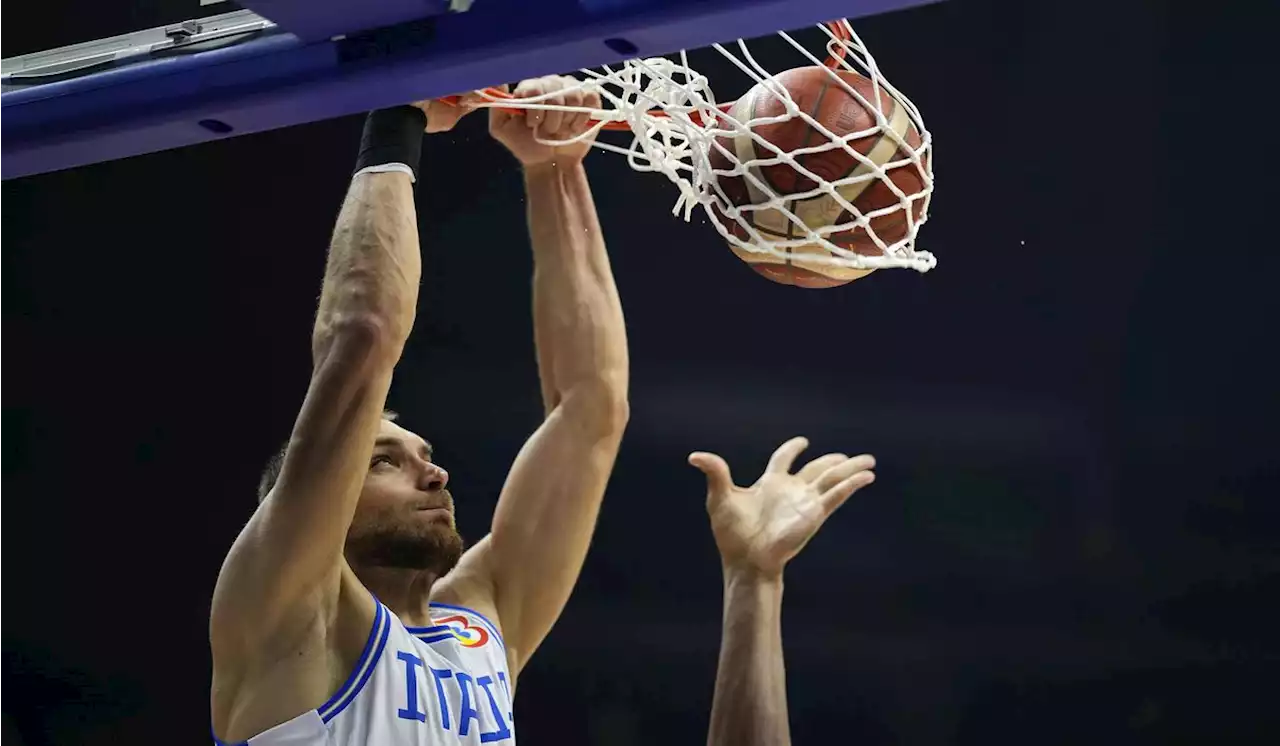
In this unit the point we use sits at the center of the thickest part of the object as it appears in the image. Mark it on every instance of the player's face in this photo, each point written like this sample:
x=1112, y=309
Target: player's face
x=405, y=515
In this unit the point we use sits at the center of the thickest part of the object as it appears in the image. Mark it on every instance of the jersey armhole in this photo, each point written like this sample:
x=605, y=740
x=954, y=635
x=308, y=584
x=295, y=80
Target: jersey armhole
x=363, y=669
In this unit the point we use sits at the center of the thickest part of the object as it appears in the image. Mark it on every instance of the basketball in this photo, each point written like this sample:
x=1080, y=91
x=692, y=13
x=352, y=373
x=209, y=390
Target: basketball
x=817, y=93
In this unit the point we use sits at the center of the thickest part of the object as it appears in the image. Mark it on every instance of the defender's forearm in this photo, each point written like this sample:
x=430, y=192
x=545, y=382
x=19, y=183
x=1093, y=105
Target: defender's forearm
x=374, y=264
x=750, y=703
x=578, y=324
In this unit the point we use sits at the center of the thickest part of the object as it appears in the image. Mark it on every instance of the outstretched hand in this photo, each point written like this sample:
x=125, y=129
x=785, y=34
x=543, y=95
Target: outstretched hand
x=763, y=526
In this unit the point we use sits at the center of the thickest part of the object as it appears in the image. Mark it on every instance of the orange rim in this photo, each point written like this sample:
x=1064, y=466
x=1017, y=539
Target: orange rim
x=833, y=61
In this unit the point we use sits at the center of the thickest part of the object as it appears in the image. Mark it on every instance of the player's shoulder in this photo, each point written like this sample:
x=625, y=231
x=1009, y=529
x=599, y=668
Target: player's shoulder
x=357, y=607
x=299, y=667
x=468, y=588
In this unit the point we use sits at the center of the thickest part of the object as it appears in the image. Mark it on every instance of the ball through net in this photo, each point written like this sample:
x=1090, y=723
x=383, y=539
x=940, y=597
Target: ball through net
x=840, y=188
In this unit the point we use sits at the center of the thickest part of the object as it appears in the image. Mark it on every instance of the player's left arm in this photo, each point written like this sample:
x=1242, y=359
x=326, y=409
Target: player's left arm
x=547, y=510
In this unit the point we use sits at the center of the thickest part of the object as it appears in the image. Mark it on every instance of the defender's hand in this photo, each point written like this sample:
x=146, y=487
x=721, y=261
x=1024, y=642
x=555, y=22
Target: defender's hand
x=761, y=527
x=521, y=130
x=442, y=117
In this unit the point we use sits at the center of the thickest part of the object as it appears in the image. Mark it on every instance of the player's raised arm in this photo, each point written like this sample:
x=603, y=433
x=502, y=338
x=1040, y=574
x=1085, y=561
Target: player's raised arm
x=285, y=564
x=547, y=510
x=758, y=529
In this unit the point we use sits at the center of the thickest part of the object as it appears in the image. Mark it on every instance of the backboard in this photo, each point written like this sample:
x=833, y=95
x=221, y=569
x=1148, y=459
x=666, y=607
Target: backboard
x=277, y=63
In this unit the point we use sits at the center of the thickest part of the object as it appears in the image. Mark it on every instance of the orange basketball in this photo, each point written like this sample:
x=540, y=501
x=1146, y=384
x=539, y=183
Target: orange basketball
x=818, y=94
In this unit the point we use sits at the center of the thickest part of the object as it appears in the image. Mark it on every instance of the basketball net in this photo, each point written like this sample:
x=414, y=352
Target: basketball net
x=675, y=123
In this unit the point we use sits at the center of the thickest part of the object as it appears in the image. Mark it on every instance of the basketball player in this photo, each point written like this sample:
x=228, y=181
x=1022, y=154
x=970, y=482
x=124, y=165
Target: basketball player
x=346, y=612
x=758, y=529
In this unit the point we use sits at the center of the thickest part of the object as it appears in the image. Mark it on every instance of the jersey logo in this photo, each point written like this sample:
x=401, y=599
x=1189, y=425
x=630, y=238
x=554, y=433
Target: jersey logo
x=463, y=631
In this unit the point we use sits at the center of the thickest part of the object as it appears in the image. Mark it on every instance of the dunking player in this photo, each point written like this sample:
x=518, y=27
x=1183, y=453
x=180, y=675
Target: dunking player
x=346, y=612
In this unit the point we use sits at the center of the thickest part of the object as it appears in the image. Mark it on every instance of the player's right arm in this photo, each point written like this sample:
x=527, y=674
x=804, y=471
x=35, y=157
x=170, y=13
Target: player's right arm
x=758, y=529
x=279, y=583
x=284, y=565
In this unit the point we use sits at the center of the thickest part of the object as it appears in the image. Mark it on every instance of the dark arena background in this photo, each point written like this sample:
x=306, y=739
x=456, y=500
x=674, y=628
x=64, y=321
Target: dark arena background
x=1073, y=537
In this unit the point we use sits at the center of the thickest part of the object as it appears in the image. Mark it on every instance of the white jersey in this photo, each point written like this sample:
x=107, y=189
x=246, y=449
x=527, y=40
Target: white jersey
x=443, y=685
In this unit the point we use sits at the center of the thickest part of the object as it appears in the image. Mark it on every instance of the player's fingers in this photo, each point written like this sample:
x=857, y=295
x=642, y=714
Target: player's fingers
x=811, y=470
x=719, y=480
x=837, y=473
x=590, y=101
x=576, y=122
x=530, y=89
x=836, y=496
x=498, y=116
x=554, y=117
x=471, y=101
x=785, y=456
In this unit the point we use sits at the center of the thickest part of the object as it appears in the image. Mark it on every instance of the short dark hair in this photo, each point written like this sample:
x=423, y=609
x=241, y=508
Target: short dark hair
x=272, y=471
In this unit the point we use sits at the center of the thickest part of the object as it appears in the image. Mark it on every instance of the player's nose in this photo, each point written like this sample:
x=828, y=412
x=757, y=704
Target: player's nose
x=432, y=478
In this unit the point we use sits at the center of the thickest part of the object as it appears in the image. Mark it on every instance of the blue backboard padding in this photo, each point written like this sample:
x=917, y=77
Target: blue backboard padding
x=317, y=20
x=280, y=80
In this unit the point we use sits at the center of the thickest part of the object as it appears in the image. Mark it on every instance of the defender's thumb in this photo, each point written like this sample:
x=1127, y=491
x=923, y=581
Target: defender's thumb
x=718, y=477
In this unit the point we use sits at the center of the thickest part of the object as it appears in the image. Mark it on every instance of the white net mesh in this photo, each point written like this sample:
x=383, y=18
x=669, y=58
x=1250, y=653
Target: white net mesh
x=840, y=225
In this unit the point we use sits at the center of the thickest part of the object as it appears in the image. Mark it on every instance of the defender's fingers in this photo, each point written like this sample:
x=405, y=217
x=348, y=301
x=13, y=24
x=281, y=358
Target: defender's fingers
x=811, y=470
x=719, y=480
x=842, y=471
x=785, y=456
x=836, y=496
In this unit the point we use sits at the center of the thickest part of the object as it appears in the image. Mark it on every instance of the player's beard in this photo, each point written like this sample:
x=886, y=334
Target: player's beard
x=434, y=547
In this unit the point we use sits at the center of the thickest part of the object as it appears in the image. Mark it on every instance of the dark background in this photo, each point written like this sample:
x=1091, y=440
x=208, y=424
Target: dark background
x=1074, y=534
